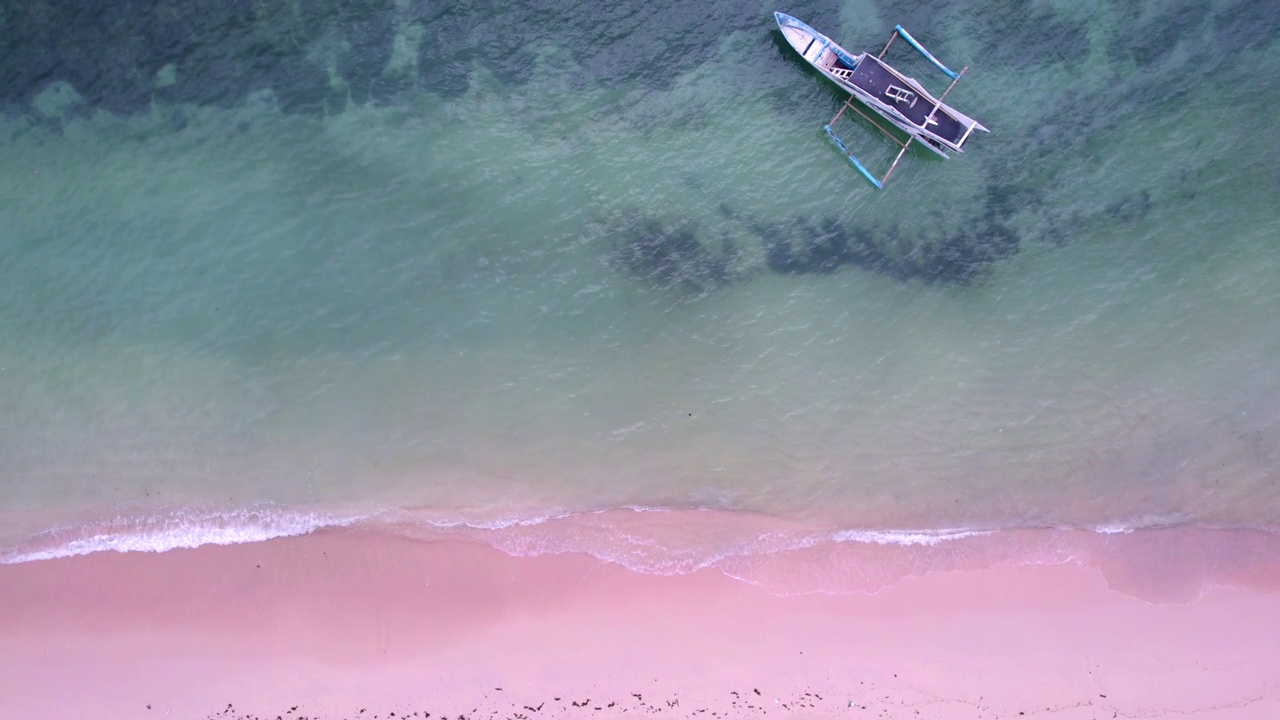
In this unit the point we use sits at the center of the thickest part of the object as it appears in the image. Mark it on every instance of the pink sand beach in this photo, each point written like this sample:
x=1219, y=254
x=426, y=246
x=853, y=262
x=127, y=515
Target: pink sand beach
x=357, y=624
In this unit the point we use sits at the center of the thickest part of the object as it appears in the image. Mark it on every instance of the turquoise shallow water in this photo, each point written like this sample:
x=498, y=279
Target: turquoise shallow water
x=375, y=263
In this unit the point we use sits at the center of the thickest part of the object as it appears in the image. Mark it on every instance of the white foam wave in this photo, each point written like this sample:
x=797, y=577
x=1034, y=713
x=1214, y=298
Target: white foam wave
x=1113, y=529
x=514, y=521
x=666, y=550
x=906, y=537
x=170, y=531
x=492, y=524
x=1141, y=522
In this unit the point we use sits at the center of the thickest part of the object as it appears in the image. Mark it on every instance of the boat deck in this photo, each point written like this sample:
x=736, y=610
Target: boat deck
x=875, y=79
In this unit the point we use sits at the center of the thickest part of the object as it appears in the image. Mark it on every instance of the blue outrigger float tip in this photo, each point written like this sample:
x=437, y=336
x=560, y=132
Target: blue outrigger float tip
x=865, y=173
x=886, y=92
x=920, y=49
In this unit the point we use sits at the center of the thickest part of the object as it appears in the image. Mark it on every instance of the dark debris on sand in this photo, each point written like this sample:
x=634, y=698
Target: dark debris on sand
x=860, y=699
x=749, y=703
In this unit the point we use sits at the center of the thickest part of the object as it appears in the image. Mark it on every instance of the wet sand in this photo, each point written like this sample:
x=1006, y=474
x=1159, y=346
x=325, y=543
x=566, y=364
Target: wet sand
x=354, y=624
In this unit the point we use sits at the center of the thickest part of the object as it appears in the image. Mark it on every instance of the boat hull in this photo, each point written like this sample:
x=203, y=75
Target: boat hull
x=897, y=98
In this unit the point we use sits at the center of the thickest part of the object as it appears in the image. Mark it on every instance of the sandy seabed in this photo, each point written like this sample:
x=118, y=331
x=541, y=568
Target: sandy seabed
x=354, y=624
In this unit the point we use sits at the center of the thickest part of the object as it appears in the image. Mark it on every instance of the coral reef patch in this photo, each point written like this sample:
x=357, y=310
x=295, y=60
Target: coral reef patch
x=675, y=256
x=956, y=258
x=667, y=257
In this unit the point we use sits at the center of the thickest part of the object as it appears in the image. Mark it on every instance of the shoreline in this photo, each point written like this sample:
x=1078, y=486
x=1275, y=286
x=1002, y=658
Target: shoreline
x=785, y=556
x=341, y=620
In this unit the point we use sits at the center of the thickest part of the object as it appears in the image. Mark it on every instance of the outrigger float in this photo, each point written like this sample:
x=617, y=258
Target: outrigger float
x=894, y=96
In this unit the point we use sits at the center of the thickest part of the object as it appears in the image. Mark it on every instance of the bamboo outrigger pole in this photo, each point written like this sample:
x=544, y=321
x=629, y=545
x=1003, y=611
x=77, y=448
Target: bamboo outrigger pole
x=943, y=96
x=933, y=112
x=848, y=105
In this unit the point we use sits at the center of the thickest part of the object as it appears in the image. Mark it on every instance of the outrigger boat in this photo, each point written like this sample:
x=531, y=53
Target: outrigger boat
x=894, y=96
